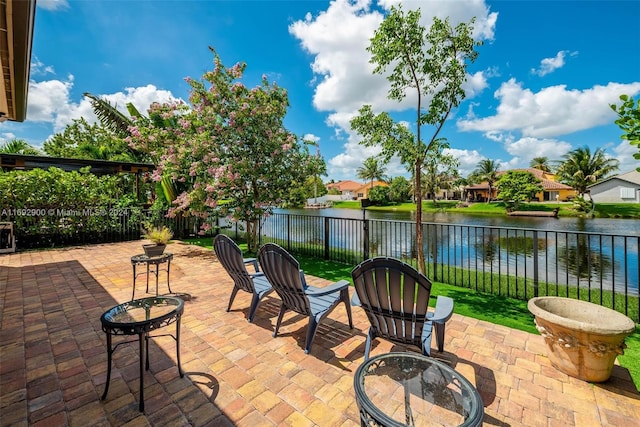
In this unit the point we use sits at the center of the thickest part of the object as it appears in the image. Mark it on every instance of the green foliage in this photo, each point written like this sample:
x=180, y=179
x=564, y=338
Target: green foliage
x=580, y=168
x=230, y=148
x=19, y=146
x=439, y=168
x=160, y=234
x=518, y=186
x=432, y=63
x=629, y=121
x=486, y=170
x=399, y=190
x=110, y=117
x=55, y=202
x=81, y=140
x=370, y=170
x=541, y=163
x=379, y=195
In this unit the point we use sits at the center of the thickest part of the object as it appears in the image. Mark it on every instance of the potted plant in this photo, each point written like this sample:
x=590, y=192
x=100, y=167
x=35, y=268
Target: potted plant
x=160, y=236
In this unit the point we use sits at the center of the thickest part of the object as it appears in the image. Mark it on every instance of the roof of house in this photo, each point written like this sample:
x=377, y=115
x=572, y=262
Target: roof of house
x=632, y=177
x=547, y=180
x=16, y=38
x=369, y=185
x=98, y=167
x=344, y=185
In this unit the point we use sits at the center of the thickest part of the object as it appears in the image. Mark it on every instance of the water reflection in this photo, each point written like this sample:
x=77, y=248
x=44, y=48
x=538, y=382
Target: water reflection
x=584, y=262
x=558, y=251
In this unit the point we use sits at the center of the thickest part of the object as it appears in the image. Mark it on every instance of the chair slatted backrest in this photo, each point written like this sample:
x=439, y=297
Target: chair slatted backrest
x=230, y=256
x=395, y=297
x=283, y=272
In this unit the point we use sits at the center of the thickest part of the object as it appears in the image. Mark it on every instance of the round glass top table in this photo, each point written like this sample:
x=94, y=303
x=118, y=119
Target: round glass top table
x=410, y=389
x=140, y=317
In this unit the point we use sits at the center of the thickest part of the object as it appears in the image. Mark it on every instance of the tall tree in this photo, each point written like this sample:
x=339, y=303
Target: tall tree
x=540, y=163
x=19, y=146
x=433, y=64
x=486, y=170
x=230, y=147
x=580, y=168
x=629, y=121
x=371, y=170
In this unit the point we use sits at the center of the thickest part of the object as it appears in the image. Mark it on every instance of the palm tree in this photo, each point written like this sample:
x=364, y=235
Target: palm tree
x=371, y=169
x=580, y=168
x=541, y=163
x=19, y=146
x=487, y=170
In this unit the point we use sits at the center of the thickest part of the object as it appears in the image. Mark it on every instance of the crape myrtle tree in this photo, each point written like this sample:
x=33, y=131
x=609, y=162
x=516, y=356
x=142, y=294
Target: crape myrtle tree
x=229, y=146
x=430, y=64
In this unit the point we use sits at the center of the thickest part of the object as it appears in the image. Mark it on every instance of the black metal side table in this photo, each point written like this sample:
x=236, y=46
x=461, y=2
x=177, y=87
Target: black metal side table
x=143, y=259
x=139, y=317
x=410, y=389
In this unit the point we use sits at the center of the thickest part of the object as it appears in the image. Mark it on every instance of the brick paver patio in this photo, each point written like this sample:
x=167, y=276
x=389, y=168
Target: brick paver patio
x=53, y=358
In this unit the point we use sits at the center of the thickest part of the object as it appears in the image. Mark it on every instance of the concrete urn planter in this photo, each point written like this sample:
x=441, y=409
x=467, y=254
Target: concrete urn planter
x=584, y=339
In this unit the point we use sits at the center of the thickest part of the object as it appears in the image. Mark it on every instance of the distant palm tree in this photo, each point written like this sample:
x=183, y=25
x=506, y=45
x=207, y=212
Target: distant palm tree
x=487, y=170
x=371, y=169
x=541, y=163
x=19, y=146
x=581, y=169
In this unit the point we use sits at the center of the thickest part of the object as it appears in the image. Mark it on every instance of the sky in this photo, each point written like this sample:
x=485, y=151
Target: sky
x=545, y=76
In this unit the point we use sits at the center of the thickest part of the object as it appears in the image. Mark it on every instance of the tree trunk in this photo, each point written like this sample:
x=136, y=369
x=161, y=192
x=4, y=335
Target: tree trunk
x=420, y=254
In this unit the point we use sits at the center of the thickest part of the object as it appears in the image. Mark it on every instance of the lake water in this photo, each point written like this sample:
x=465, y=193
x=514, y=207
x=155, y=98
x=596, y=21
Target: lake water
x=613, y=226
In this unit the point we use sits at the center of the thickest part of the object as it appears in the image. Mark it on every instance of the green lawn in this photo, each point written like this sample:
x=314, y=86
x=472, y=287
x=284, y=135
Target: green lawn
x=499, y=310
x=603, y=210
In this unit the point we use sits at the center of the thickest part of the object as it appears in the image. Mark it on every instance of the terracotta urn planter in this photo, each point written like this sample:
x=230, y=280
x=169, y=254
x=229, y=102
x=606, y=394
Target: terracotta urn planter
x=584, y=339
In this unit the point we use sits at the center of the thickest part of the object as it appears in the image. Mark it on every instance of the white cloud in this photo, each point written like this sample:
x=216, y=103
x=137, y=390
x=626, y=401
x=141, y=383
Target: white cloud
x=468, y=159
x=6, y=137
x=527, y=148
x=549, y=65
x=50, y=102
x=624, y=153
x=53, y=4
x=551, y=112
x=311, y=137
x=337, y=39
x=39, y=69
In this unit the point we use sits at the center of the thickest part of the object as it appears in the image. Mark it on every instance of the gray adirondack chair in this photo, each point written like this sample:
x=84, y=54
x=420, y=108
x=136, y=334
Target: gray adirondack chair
x=395, y=297
x=230, y=256
x=284, y=274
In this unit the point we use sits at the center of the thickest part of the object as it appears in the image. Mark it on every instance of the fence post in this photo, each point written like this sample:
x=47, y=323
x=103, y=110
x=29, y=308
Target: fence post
x=288, y=232
x=365, y=231
x=326, y=237
x=535, y=265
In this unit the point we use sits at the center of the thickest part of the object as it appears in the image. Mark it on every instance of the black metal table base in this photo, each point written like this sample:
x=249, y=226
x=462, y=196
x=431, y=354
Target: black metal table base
x=141, y=329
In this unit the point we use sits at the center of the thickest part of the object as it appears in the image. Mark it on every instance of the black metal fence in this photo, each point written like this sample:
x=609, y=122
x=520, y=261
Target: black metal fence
x=39, y=228
x=514, y=262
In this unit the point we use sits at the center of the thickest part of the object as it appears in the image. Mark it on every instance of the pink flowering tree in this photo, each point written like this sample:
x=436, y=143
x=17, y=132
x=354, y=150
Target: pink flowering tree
x=228, y=149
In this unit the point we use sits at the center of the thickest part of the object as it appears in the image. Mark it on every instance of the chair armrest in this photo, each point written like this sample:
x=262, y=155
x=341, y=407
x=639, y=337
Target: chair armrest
x=253, y=261
x=258, y=274
x=334, y=287
x=443, y=311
